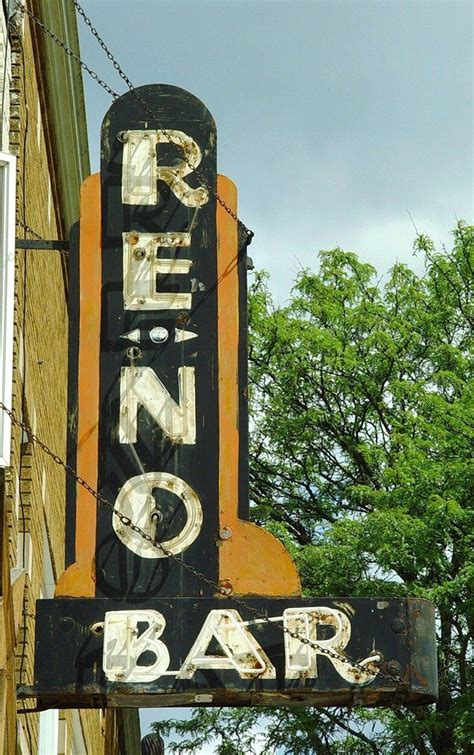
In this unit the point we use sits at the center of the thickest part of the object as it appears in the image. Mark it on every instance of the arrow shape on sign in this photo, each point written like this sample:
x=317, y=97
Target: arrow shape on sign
x=132, y=335
x=183, y=335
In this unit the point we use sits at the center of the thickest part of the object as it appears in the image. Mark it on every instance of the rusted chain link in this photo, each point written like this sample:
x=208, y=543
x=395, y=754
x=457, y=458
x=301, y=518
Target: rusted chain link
x=29, y=229
x=101, y=42
x=225, y=592
x=22, y=9
x=148, y=110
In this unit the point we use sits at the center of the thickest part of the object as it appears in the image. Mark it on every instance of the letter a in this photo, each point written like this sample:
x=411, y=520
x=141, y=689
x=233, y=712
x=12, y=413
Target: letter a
x=241, y=650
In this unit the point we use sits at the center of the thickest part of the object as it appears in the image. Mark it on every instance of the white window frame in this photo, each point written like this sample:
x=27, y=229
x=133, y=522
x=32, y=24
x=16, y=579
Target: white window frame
x=7, y=285
x=48, y=732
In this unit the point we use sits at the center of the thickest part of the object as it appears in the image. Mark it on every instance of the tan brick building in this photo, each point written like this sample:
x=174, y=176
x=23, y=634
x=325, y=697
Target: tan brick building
x=43, y=126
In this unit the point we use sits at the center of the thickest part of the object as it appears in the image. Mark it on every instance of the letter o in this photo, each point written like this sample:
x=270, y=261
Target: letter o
x=135, y=501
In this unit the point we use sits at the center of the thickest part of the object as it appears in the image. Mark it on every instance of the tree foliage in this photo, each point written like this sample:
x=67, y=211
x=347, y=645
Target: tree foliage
x=360, y=461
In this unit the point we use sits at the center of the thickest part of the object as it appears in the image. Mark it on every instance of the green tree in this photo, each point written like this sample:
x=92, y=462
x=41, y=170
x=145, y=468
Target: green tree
x=360, y=459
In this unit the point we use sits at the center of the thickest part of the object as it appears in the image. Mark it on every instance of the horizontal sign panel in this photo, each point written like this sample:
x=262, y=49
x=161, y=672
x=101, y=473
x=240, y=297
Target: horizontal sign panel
x=211, y=651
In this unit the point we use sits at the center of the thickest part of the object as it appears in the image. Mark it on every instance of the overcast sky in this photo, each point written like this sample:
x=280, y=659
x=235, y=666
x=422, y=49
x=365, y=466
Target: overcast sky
x=335, y=119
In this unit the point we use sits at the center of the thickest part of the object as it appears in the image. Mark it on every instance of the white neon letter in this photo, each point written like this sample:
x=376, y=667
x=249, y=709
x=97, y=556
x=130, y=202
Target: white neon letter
x=141, y=385
x=301, y=659
x=123, y=646
x=139, y=167
x=241, y=650
x=136, y=501
x=173, y=176
x=141, y=267
x=140, y=170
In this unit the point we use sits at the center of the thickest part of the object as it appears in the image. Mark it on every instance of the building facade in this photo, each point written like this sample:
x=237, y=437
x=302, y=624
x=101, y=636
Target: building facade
x=43, y=161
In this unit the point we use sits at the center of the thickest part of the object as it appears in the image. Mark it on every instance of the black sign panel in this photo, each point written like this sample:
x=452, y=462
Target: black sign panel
x=158, y=316
x=207, y=651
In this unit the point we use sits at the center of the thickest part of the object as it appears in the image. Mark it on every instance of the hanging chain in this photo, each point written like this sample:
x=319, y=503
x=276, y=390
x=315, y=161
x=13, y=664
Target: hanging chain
x=126, y=521
x=222, y=590
x=101, y=42
x=22, y=9
x=29, y=229
x=148, y=110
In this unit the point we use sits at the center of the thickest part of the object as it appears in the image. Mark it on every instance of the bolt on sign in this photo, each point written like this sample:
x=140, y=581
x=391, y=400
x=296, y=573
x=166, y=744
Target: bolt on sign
x=170, y=595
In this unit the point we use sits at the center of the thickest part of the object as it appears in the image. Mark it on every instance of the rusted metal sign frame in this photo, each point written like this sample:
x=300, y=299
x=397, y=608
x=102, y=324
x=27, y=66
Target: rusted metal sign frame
x=72, y=675
x=159, y=402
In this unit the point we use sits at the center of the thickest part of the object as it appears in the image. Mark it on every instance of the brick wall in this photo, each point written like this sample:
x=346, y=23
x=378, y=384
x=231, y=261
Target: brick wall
x=34, y=486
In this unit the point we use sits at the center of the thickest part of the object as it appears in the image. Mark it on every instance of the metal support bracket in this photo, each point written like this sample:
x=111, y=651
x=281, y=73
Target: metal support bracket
x=53, y=245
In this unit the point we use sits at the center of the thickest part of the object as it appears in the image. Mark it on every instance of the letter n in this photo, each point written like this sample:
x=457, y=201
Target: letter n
x=140, y=385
